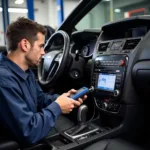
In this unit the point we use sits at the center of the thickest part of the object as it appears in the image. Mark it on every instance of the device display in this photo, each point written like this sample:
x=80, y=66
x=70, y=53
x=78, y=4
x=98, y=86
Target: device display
x=106, y=82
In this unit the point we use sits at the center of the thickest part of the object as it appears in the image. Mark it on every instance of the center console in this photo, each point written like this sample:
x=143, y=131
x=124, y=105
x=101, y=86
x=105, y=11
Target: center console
x=108, y=80
x=83, y=133
x=83, y=129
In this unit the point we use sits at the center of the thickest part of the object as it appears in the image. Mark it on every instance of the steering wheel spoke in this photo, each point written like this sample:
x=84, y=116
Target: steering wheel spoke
x=52, y=71
x=59, y=57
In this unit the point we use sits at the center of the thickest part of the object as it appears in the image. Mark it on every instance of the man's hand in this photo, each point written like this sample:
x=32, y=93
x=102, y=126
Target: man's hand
x=73, y=91
x=67, y=104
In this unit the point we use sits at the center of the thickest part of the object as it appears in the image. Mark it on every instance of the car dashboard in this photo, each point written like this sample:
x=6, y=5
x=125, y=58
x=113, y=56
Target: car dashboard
x=113, y=52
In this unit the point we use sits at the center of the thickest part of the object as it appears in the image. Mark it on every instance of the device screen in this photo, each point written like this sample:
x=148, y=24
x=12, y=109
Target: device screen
x=106, y=82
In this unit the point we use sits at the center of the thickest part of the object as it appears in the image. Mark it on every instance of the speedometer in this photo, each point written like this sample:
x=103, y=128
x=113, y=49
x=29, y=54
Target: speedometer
x=85, y=51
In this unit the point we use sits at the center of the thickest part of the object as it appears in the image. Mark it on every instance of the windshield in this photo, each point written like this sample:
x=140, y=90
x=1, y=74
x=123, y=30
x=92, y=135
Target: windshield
x=112, y=10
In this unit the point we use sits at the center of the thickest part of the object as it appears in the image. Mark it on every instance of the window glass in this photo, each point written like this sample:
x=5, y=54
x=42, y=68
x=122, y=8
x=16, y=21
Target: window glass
x=1, y=27
x=112, y=10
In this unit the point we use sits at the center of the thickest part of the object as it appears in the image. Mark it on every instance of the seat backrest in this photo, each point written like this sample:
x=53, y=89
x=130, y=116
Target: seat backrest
x=3, y=49
x=6, y=140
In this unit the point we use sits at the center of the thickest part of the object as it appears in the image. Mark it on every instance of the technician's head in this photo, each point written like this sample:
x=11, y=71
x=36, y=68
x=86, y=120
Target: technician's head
x=26, y=37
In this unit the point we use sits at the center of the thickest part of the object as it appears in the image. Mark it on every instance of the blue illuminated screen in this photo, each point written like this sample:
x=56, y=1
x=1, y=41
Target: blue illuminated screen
x=106, y=82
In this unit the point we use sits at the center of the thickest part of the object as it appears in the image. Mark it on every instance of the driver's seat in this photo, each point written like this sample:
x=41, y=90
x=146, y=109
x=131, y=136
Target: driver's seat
x=113, y=144
x=8, y=145
x=6, y=140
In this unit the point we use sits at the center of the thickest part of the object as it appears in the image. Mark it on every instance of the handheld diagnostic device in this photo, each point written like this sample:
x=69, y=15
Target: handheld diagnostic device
x=81, y=92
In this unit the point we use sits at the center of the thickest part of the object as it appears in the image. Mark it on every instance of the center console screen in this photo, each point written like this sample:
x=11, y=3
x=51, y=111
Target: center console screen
x=106, y=82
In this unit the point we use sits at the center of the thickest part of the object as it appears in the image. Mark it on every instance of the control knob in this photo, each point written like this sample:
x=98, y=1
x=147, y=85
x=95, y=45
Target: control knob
x=105, y=105
x=121, y=63
x=97, y=63
x=116, y=93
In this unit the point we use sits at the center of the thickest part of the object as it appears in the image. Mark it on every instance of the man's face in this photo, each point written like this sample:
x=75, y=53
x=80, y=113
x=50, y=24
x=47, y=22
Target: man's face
x=36, y=51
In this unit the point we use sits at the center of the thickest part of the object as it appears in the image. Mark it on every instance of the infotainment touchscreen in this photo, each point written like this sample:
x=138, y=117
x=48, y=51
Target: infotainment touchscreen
x=106, y=82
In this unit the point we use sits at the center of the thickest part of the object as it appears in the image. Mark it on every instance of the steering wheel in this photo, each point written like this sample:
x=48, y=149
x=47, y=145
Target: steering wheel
x=54, y=61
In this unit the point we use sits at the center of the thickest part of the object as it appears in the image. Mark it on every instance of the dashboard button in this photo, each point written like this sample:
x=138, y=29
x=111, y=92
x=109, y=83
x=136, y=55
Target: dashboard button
x=118, y=80
x=118, y=85
x=121, y=63
x=104, y=105
x=119, y=75
x=116, y=93
x=97, y=63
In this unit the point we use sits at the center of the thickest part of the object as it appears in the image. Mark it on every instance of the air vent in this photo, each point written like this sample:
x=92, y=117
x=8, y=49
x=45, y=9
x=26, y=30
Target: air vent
x=103, y=46
x=131, y=44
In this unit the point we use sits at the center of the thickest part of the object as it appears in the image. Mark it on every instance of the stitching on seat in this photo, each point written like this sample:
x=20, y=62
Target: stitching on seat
x=107, y=144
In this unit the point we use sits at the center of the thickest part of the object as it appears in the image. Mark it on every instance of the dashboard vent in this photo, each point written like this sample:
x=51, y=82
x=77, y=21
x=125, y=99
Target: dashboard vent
x=103, y=46
x=131, y=44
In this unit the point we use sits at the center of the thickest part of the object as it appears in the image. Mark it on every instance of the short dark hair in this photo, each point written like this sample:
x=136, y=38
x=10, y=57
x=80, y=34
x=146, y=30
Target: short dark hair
x=20, y=29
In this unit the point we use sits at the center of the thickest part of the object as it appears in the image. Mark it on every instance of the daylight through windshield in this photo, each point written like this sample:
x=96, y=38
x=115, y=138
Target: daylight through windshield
x=112, y=10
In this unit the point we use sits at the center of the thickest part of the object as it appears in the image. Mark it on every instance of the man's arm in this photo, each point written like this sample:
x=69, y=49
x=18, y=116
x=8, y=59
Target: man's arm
x=43, y=98
x=27, y=126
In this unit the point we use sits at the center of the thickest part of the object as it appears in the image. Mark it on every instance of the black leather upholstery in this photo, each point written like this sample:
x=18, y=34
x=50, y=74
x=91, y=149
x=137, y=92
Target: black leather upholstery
x=3, y=49
x=6, y=142
x=113, y=144
x=8, y=145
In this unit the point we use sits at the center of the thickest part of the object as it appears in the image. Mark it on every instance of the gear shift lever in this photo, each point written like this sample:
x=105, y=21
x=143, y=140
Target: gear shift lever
x=82, y=114
x=83, y=127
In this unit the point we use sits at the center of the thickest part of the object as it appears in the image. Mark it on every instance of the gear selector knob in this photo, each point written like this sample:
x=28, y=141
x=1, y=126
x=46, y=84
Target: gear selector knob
x=82, y=114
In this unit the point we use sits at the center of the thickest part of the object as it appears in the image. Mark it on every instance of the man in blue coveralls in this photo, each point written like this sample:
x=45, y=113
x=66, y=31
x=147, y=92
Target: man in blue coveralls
x=21, y=97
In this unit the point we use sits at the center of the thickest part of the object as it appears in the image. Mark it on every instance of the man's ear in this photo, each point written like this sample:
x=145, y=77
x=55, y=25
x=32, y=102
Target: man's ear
x=24, y=45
